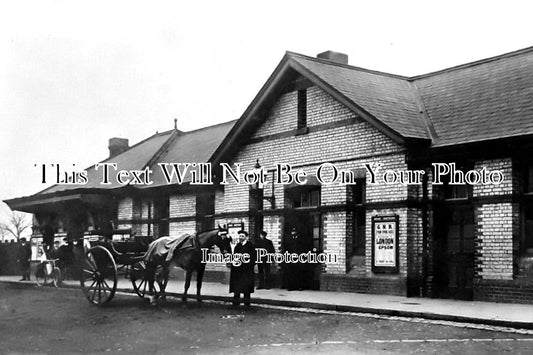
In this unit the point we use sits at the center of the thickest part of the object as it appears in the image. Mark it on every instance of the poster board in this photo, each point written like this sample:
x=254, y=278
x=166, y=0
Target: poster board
x=385, y=248
x=37, y=247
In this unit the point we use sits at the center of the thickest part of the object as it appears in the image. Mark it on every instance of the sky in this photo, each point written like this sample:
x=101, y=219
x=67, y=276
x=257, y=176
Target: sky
x=75, y=73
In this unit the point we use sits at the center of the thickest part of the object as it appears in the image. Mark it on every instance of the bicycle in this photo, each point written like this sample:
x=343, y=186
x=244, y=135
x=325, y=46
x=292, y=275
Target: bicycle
x=47, y=272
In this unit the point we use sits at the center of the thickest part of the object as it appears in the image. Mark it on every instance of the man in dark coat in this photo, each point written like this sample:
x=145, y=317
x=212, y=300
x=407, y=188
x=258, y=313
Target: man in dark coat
x=23, y=257
x=242, y=274
x=264, y=267
x=294, y=272
x=48, y=239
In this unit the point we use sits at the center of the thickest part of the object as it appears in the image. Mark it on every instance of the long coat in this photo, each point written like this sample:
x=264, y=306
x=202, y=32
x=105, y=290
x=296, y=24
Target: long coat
x=241, y=279
x=295, y=274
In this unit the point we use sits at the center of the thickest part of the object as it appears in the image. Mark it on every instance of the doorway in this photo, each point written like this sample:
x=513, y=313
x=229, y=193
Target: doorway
x=453, y=251
x=308, y=224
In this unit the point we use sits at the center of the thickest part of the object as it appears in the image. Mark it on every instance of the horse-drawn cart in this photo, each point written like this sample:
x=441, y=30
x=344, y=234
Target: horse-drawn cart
x=144, y=261
x=104, y=259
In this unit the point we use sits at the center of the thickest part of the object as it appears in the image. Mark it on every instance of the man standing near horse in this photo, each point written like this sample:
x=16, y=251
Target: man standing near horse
x=242, y=274
x=263, y=268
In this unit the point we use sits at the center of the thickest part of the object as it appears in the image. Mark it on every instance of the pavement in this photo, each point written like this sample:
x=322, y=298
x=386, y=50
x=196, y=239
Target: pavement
x=496, y=314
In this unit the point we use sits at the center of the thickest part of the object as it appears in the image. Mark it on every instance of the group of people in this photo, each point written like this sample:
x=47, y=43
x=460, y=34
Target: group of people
x=242, y=278
x=50, y=250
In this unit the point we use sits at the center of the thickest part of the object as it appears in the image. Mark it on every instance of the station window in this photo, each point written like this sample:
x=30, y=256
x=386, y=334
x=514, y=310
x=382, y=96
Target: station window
x=303, y=197
x=357, y=197
x=162, y=210
x=302, y=108
x=452, y=192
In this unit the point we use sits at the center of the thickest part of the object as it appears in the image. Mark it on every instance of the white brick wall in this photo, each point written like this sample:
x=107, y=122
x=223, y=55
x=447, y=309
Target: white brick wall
x=125, y=212
x=182, y=206
x=496, y=224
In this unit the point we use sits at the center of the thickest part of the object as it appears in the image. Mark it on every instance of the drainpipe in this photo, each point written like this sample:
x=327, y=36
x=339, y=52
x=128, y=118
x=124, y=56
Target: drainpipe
x=425, y=236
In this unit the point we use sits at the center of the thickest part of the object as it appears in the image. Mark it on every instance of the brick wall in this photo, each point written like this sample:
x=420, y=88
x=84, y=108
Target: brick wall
x=496, y=225
x=387, y=285
x=125, y=212
x=334, y=231
x=349, y=146
x=507, y=291
x=272, y=225
x=180, y=228
x=182, y=206
x=219, y=201
x=495, y=241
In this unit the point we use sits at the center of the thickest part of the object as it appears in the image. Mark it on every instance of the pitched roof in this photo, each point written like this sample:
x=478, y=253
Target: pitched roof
x=135, y=157
x=192, y=147
x=483, y=100
x=168, y=147
x=388, y=98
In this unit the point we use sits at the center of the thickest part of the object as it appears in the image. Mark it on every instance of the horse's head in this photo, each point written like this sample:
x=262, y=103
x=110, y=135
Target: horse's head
x=222, y=240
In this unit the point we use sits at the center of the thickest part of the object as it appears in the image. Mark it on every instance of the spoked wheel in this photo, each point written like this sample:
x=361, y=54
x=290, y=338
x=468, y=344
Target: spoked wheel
x=139, y=279
x=98, y=278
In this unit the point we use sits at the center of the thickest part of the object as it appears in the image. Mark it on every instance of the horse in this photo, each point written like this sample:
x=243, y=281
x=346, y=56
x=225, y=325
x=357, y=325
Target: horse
x=185, y=252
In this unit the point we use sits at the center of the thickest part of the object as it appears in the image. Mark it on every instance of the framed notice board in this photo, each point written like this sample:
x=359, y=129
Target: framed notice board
x=385, y=248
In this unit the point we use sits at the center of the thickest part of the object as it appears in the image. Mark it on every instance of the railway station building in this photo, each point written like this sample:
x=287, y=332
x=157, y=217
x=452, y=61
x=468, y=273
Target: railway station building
x=419, y=186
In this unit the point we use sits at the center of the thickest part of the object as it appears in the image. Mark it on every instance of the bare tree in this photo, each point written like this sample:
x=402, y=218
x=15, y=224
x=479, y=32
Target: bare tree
x=2, y=233
x=16, y=225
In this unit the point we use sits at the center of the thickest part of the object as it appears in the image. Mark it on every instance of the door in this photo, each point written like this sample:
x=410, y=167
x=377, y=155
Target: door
x=453, y=252
x=309, y=227
x=460, y=253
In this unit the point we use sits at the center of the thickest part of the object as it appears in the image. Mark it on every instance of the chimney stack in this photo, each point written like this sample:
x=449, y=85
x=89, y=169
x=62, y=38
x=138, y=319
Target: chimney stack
x=117, y=146
x=336, y=57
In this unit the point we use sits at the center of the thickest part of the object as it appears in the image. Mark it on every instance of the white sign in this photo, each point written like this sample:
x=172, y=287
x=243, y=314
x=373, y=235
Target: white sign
x=385, y=244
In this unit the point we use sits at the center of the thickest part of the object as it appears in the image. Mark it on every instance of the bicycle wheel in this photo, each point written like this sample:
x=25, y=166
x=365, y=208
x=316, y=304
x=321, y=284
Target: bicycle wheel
x=56, y=276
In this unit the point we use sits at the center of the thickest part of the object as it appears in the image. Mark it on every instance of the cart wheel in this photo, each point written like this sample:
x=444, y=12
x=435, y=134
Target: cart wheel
x=98, y=278
x=56, y=276
x=138, y=278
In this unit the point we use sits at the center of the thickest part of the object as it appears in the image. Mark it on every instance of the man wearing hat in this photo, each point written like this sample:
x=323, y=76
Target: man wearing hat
x=23, y=258
x=295, y=277
x=263, y=268
x=241, y=278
